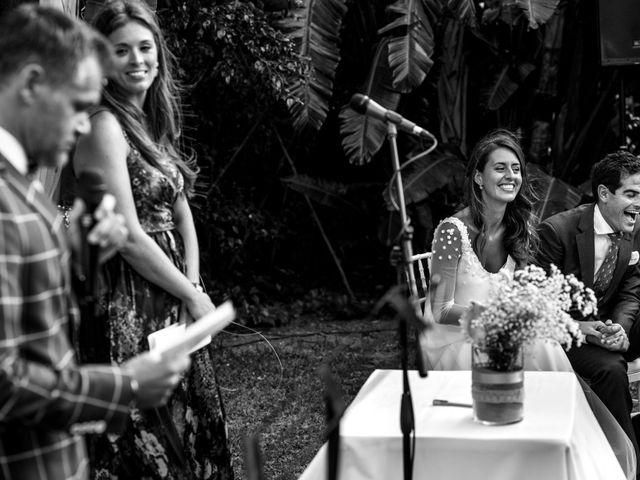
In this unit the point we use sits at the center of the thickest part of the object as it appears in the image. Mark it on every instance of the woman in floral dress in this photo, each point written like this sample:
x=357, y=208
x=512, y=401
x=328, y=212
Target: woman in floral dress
x=154, y=281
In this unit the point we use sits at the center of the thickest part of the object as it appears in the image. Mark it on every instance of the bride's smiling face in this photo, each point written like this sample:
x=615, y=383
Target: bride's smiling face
x=501, y=177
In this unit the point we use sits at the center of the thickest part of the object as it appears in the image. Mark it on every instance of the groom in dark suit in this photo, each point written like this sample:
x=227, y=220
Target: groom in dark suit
x=51, y=72
x=598, y=243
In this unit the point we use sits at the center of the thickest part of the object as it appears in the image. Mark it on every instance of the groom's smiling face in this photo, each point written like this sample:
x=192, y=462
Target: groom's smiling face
x=620, y=208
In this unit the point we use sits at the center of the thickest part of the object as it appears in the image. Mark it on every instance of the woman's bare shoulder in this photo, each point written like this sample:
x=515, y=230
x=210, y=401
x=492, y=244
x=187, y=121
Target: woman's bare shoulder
x=464, y=216
x=104, y=143
x=103, y=121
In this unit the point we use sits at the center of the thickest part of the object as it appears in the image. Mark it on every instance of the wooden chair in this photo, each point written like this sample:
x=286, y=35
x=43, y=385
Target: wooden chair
x=421, y=264
x=633, y=372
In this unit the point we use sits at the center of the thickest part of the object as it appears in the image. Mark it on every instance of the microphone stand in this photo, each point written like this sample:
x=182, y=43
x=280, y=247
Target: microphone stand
x=407, y=421
x=253, y=457
x=407, y=231
x=334, y=410
x=91, y=334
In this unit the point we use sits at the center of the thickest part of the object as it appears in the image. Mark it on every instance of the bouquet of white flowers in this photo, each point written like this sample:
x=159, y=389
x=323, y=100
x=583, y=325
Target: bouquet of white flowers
x=531, y=306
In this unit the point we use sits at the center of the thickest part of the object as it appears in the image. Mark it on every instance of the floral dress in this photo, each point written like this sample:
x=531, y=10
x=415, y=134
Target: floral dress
x=187, y=438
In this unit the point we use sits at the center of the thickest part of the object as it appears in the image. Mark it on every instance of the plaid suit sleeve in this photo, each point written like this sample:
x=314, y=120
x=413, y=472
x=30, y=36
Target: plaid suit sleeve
x=40, y=383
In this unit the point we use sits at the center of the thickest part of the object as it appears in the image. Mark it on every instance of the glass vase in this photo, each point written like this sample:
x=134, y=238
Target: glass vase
x=497, y=385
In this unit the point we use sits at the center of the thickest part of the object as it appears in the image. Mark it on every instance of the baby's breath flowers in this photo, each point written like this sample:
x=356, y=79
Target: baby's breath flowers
x=531, y=306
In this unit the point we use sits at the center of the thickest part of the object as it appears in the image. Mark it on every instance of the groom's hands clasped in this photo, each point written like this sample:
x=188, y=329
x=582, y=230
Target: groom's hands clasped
x=608, y=335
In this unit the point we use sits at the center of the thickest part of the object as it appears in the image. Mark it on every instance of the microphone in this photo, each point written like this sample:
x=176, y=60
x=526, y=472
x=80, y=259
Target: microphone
x=364, y=105
x=91, y=189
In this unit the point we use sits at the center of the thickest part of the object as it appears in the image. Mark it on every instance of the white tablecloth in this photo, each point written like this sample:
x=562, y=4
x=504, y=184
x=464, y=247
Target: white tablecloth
x=558, y=439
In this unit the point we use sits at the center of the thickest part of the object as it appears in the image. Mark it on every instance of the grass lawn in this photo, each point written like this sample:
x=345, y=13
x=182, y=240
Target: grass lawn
x=280, y=397
x=284, y=404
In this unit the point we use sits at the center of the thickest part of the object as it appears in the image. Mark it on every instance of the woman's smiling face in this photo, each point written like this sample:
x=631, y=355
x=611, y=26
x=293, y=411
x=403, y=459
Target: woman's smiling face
x=501, y=177
x=136, y=61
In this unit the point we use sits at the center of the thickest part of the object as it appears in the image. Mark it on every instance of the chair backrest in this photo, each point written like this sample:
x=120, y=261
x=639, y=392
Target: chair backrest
x=421, y=264
x=633, y=371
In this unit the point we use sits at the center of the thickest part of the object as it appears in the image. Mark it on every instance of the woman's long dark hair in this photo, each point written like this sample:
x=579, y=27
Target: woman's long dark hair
x=154, y=130
x=520, y=235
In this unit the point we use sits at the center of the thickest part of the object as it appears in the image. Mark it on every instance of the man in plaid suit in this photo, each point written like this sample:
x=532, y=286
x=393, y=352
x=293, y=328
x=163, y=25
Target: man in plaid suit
x=51, y=71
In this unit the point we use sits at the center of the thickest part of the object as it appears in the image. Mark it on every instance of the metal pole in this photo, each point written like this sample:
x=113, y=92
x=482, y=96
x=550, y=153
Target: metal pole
x=407, y=422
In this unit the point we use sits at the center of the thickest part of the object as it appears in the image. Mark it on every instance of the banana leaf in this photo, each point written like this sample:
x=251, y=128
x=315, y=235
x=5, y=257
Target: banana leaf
x=553, y=194
x=505, y=85
x=491, y=12
x=454, y=73
x=409, y=53
x=452, y=86
x=502, y=89
x=523, y=70
x=426, y=175
x=321, y=46
x=293, y=21
x=538, y=12
x=327, y=193
x=362, y=136
x=509, y=13
x=464, y=11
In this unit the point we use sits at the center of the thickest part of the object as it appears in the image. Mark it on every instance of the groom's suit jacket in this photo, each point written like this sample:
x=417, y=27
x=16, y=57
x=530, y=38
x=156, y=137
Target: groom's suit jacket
x=567, y=240
x=46, y=399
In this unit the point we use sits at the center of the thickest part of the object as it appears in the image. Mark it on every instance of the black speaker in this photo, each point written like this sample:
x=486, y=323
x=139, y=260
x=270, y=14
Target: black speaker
x=619, y=27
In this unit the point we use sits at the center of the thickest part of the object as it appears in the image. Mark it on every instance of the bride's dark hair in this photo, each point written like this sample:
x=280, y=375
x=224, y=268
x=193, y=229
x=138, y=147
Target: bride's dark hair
x=154, y=130
x=520, y=235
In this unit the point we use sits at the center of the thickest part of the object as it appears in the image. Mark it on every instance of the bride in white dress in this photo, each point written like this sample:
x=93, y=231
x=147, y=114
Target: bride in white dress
x=492, y=236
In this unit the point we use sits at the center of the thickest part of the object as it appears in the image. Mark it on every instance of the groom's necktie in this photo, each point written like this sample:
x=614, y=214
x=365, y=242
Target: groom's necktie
x=605, y=274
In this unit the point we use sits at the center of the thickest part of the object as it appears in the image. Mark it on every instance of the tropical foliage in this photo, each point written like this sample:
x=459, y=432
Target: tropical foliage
x=460, y=67
x=236, y=68
x=270, y=202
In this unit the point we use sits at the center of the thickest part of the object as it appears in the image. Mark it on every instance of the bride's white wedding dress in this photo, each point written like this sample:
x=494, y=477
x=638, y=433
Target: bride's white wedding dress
x=463, y=279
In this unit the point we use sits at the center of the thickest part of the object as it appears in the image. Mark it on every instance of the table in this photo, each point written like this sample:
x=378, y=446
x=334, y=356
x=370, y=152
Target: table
x=558, y=439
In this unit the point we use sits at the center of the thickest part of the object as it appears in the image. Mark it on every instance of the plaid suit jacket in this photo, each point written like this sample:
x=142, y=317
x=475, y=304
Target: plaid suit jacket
x=45, y=398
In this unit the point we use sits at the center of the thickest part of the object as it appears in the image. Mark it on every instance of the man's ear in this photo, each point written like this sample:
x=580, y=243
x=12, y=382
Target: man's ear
x=30, y=80
x=603, y=194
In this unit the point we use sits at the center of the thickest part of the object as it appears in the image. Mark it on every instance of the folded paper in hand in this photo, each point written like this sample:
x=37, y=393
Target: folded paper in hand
x=179, y=338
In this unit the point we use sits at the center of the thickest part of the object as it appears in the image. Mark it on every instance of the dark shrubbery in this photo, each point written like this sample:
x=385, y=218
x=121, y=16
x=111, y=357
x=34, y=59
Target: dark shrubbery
x=259, y=242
